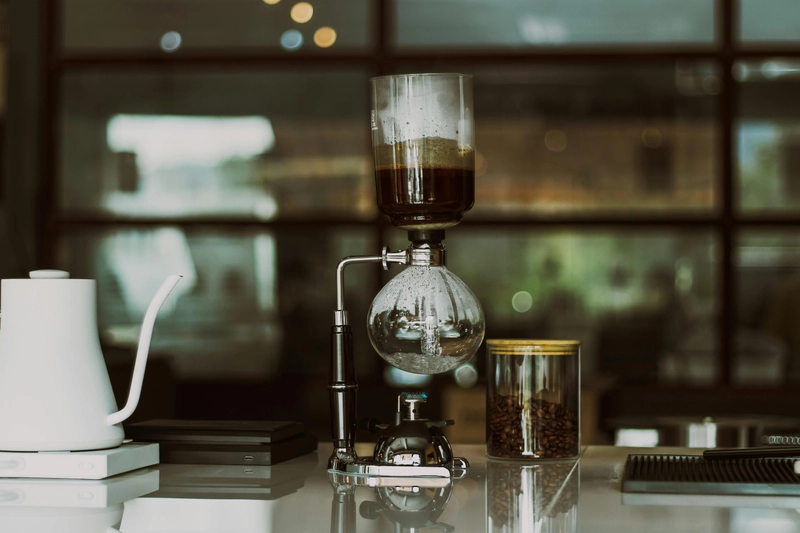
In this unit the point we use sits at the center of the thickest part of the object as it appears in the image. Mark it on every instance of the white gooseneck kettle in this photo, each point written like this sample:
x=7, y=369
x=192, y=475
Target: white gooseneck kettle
x=55, y=394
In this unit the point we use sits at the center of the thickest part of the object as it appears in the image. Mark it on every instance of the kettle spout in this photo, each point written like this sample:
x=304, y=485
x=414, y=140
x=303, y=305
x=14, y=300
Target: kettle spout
x=144, y=348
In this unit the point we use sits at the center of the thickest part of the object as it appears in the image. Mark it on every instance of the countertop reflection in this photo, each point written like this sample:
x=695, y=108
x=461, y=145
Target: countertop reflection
x=302, y=496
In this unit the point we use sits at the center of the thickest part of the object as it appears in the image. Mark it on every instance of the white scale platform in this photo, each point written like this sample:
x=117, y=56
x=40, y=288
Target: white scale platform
x=97, y=464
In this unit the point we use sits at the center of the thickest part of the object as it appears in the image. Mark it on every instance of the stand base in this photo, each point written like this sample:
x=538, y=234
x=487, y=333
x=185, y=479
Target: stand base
x=368, y=467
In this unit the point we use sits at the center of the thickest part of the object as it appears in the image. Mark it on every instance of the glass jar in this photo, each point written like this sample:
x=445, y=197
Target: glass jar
x=533, y=399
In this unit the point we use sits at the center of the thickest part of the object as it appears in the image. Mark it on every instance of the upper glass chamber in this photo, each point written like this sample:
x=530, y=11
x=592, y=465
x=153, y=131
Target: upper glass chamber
x=423, y=142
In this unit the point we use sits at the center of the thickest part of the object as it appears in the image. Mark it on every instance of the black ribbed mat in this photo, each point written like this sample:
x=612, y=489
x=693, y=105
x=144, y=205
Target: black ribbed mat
x=692, y=474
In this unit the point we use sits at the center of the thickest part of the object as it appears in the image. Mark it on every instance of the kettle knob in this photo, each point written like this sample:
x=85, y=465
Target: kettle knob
x=49, y=274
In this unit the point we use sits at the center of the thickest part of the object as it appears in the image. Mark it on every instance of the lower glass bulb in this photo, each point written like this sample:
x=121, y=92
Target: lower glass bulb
x=426, y=321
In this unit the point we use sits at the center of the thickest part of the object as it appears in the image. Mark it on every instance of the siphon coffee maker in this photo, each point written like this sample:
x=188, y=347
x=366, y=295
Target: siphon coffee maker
x=425, y=320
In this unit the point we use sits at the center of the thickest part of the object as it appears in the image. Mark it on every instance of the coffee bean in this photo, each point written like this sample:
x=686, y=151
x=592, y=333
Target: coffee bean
x=532, y=429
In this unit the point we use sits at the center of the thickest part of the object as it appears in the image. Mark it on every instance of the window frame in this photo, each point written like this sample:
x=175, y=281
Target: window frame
x=725, y=221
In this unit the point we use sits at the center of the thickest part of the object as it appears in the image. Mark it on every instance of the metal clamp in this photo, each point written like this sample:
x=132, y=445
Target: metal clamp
x=426, y=254
x=388, y=257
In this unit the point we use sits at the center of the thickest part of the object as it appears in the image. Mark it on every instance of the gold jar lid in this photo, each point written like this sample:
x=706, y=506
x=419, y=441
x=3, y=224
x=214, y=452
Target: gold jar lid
x=532, y=347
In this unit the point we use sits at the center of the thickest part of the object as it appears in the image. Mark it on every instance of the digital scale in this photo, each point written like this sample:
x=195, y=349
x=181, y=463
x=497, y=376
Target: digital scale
x=96, y=464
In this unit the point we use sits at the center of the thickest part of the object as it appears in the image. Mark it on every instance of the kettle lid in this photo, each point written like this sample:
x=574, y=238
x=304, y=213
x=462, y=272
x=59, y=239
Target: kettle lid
x=49, y=274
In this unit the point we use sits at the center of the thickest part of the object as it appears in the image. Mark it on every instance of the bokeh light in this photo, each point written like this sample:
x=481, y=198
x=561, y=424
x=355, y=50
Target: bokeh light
x=271, y=2
x=555, y=140
x=466, y=375
x=522, y=301
x=302, y=12
x=171, y=41
x=325, y=37
x=291, y=40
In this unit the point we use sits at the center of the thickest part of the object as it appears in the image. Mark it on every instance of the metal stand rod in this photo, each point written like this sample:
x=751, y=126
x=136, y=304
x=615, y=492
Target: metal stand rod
x=343, y=510
x=343, y=386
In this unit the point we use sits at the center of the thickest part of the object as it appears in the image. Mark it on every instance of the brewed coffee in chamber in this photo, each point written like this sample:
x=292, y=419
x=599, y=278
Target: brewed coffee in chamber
x=426, y=183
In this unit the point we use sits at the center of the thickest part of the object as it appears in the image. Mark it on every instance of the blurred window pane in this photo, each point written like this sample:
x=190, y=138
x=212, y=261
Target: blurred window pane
x=643, y=303
x=767, y=270
x=768, y=135
x=772, y=21
x=595, y=139
x=252, y=304
x=214, y=26
x=519, y=23
x=236, y=144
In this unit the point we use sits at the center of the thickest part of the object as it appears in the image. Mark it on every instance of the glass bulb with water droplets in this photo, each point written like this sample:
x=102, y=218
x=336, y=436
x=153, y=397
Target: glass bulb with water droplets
x=426, y=321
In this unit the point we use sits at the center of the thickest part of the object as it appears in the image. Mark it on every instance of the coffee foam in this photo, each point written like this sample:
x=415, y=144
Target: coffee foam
x=425, y=151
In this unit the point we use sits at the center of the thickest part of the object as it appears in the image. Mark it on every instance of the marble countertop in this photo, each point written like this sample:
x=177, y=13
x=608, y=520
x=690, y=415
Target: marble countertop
x=495, y=496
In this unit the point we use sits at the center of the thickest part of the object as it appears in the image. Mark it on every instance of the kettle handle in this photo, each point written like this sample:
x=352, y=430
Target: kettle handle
x=141, y=354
